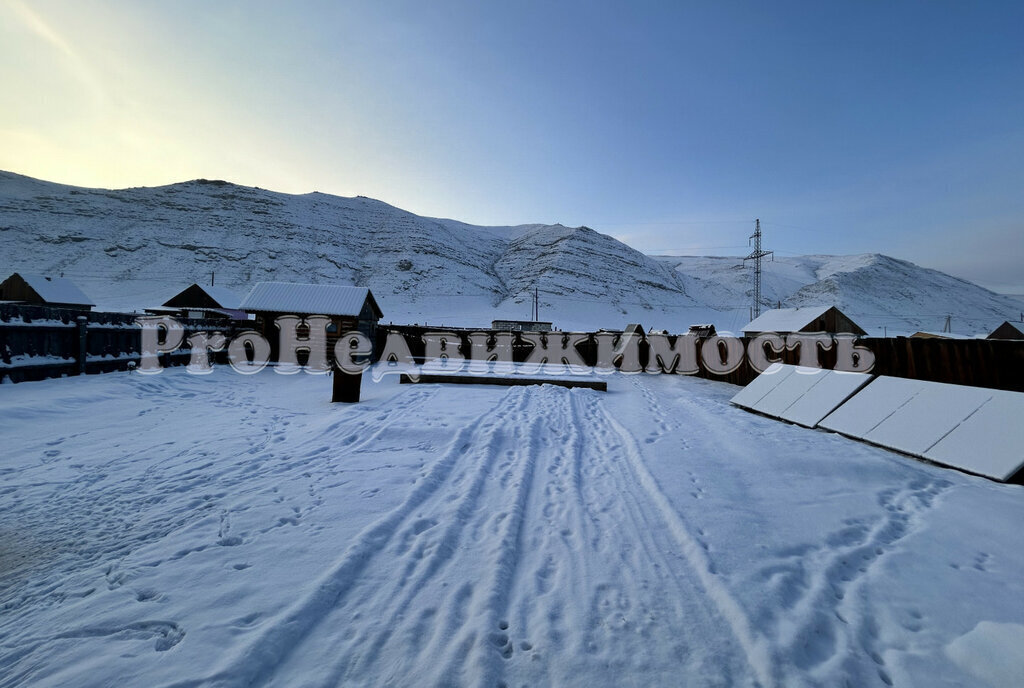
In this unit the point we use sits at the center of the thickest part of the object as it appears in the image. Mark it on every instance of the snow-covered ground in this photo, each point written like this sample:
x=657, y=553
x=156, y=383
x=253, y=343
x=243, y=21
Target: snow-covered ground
x=181, y=530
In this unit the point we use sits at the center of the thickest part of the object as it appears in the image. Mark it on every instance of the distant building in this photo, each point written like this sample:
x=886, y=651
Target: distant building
x=349, y=308
x=925, y=334
x=198, y=301
x=521, y=325
x=38, y=290
x=702, y=330
x=1008, y=330
x=808, y=319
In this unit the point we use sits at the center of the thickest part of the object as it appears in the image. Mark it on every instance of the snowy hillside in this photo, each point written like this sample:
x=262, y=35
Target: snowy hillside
x=877, y=291
x=133, y=248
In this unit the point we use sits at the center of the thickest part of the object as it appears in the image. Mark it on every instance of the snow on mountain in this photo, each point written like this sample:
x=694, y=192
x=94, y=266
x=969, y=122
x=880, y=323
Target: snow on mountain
x=133, y=248
x=880, y=293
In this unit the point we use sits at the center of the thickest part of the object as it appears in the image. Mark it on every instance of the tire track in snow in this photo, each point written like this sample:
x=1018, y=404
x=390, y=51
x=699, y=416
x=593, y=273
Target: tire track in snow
x=755, y=646
x=533, y=552
x=483, y=515
x=257, y=663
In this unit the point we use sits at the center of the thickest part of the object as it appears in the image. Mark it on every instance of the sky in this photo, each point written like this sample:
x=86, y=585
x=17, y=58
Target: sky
x=846, y=127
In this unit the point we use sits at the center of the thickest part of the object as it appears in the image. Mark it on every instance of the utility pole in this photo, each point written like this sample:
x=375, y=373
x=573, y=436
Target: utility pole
x=212, y=276
x=756, y=255
x=536, y=305
x=946, y=327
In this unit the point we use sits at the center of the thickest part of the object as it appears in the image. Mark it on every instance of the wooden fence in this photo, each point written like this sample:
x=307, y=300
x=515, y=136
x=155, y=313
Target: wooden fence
x=976, y=362
x=39, y=342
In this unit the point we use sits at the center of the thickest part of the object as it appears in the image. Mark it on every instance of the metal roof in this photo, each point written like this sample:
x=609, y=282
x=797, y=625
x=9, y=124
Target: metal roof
x=56, y=289
x=785, y=319
x=225, y=297
x=317, y=299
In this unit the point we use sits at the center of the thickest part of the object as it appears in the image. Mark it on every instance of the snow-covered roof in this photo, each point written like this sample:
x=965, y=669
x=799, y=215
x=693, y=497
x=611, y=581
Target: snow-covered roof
x=225, y=297
x=1019, y=326
x=929, y=334
x=320, y=299
x=56, y=289
x=785, y=319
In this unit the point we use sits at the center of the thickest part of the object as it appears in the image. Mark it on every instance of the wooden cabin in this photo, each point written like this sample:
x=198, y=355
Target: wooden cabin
x=198, y=301
x=348, y=307
x=1008, y=330
x=808, y=319
x=39, y=290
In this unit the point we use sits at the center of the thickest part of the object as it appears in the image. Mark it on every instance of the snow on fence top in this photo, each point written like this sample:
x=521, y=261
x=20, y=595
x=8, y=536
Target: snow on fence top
x=321, y=299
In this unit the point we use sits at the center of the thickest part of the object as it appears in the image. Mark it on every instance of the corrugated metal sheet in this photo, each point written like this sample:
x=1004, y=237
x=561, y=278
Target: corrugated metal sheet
x=319, y=299
x=785, y=319
x=56, y=289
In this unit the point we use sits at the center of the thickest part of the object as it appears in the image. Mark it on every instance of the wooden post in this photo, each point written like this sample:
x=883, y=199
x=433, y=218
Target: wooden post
x=346, y=386
x=83, y=342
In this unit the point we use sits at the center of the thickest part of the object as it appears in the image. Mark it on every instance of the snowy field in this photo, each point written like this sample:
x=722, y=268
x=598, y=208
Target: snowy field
x=227, y=530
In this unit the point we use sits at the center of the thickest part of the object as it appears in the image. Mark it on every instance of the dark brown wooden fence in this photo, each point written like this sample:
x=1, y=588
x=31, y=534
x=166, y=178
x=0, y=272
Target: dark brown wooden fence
x=39, y=342
x=975, y=362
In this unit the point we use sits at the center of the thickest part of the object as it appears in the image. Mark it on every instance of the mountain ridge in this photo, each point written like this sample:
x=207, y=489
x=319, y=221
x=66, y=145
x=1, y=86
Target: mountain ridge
x=134, y=247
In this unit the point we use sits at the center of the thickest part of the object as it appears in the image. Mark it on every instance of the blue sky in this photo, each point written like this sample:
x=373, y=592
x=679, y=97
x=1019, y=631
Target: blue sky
x=893, y=127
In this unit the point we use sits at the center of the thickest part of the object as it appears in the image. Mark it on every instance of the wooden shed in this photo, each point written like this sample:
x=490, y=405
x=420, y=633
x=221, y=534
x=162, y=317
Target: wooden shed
x=39, y=290
x=348, y=307
x=198, y=301
x=808, y=319
x=1008, y=330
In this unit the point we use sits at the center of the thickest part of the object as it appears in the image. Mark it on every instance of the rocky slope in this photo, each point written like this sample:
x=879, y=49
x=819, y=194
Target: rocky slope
x=133, y=248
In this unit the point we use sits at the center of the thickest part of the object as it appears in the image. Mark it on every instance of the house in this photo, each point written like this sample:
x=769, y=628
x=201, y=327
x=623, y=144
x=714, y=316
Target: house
x=349, y=308
x=198, y=301
x=1008, y=330
x=38, y=290
x=702, y=330
x=521, y=325
x=808, y=319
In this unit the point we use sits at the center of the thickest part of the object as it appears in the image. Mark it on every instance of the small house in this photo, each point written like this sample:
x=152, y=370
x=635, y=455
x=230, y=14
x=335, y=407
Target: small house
x=702, y=331
x=348, y=307
x=38, y=290
x=808, y=319
x=1008, y=330
x=198, y=301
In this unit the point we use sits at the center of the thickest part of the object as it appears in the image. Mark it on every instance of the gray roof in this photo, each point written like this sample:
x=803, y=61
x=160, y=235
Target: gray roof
x=225, y=297
x=785, y=319
x=56, y=289
x=316, y=299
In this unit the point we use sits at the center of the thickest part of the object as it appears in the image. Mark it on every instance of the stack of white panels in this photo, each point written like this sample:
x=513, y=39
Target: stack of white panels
x=799, y=395
x=971, y=428
x=762, y=384
x=876, y=402
x=830, y=392
x=989, y=442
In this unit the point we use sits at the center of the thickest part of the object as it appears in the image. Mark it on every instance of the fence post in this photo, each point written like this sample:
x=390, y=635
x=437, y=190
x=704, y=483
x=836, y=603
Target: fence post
x=83, y=339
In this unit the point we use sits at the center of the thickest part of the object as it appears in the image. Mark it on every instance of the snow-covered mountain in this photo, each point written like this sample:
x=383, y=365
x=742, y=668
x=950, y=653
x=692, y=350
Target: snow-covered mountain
x=133, y=248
